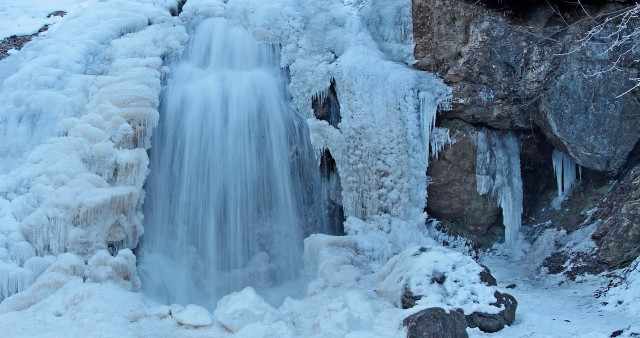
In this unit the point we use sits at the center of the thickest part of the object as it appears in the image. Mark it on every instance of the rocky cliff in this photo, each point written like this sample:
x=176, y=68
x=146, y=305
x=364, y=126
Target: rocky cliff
x=527, y=67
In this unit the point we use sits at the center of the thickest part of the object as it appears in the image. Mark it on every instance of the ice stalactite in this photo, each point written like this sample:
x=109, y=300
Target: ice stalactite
x=439, y=139
x=498, y=172
x=566, y=177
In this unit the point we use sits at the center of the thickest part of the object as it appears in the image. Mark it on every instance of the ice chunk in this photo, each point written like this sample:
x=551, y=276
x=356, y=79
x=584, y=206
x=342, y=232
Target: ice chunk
x=193, y=315
x=242, y=308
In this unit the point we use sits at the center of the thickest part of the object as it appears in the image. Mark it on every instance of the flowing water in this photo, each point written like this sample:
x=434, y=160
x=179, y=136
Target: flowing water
x=234, y=185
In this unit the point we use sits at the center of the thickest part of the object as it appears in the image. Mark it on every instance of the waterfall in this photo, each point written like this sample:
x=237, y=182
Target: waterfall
x=234, y=186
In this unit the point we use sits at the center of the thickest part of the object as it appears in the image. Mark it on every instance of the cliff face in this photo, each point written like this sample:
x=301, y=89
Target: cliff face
x=531, y=72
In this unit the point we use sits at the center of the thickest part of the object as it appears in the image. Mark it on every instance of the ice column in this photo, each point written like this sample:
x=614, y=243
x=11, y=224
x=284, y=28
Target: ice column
x=498, y=171
x=565, y=171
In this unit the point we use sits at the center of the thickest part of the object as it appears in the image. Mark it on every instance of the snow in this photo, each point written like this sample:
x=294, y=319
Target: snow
x=30, y=15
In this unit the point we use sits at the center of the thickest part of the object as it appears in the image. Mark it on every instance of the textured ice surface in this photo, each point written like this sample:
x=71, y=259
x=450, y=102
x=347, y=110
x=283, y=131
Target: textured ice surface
x=498, y=172
x=76, y=116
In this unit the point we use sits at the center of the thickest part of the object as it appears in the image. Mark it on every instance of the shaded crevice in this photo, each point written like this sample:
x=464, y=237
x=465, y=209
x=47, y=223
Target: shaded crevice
x=332, y=192
x=175, y=11
x=327, y=107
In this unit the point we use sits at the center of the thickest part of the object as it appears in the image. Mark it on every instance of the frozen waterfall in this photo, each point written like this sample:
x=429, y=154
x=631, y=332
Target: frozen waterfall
x=233, y=187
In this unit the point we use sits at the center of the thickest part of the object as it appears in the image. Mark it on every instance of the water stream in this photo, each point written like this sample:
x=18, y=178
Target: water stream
x=234, y=185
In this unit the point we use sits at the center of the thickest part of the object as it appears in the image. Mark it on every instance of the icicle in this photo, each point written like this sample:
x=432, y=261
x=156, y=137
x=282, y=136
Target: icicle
x=498, y=171
x=428, y=110
x=484, y=169
x=439, y=139
x=565, y=171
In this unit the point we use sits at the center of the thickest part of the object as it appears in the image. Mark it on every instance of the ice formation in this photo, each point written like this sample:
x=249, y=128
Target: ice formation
x=233, y=188
x=76, y=112
x=565, y=172
x=498, y=172
x=77, y=167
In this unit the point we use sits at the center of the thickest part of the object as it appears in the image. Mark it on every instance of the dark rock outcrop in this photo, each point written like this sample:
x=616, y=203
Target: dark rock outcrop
x=495, y=322
x=436, y=323
x=618, y=236
x=532, y=73
x=453, y=194
x=486, y=277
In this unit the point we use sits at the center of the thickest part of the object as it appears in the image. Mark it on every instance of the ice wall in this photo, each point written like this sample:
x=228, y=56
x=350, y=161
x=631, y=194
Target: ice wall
x=75, y=120
x=498, y=172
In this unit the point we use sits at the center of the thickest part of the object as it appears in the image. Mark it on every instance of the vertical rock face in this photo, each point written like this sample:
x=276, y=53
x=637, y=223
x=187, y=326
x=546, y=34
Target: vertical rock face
x=531, y=73
x=618, y=237
x=453, y=194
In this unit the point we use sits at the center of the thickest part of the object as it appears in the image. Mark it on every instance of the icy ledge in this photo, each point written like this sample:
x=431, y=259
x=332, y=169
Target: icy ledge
x=76, y=118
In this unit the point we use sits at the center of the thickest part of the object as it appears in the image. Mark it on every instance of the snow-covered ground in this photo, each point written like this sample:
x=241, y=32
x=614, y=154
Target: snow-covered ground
x=78, y=106
x=28, y=16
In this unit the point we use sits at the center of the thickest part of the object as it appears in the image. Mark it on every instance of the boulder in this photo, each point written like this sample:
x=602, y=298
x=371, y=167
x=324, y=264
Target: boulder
x=453, y=192
x=486, y=277
x=495, y=322
x=435, y=322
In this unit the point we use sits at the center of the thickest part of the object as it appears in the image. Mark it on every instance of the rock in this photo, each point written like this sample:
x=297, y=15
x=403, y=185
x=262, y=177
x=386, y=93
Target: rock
x=408, y=299
x=574, y=103
x=618, y=236
x=520, y=74
x=453, y=194
x=495, y=322
x=192, y=315
x=486, y=277
x=436, y=323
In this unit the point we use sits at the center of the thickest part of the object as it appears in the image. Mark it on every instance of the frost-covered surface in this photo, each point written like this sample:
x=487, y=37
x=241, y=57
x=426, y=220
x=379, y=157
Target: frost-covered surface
x=551, y=306
x=75, y=121
x=626, y=294
x=498, y=172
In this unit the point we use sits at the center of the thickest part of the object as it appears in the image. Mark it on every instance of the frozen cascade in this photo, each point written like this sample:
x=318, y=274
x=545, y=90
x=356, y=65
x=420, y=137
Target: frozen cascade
x=498, y=171
x=233, y=183
x=565, y=171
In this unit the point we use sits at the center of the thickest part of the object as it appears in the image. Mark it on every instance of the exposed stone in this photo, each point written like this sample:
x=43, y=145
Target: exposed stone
x=408, y=299
x=453, y=194
x=618, y=236
x=495, y=322
x=486, y=276
x=523, y=74
x=436, y=323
